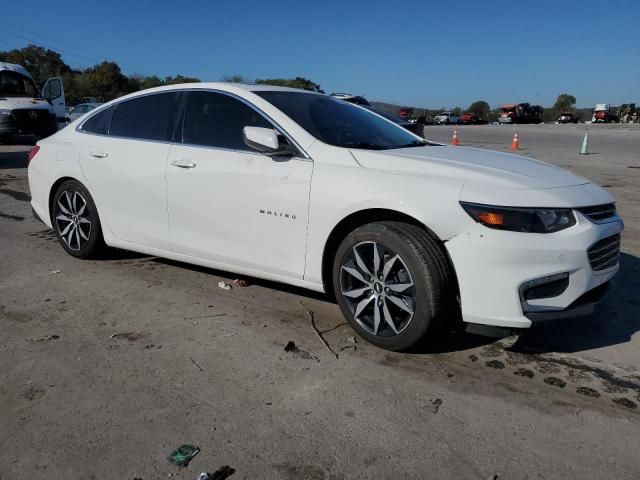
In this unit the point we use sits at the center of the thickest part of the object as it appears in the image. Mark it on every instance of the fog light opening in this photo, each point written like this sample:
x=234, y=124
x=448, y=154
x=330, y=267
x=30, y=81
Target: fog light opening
x=544, y=287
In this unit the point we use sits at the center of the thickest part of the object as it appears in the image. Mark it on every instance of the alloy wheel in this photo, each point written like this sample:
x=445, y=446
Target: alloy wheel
x=378, y=288
x=73, y=219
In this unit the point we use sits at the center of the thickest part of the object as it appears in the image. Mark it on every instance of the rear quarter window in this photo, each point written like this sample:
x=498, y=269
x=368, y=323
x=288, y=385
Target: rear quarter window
x=99, y=123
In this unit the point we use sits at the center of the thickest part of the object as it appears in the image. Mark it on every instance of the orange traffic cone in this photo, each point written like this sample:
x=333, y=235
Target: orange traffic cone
x=515, y=144
x=454, y=140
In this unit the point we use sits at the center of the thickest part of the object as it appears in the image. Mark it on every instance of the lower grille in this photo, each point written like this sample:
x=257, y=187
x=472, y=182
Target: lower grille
x=599, y=213
x=605, y=253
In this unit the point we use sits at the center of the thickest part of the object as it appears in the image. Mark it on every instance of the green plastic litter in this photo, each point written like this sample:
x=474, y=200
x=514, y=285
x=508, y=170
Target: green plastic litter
x=183, y=455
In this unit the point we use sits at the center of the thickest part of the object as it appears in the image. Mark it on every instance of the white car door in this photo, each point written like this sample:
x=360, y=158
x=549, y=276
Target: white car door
x=124, y=160
x=53, y=92
x=229, y=203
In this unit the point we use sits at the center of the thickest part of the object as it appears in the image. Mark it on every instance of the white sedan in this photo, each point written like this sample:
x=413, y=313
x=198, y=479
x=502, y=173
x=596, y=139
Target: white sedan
x=312, y=191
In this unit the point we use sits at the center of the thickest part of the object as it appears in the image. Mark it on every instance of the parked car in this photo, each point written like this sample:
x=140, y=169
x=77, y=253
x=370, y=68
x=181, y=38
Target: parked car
x=511, y=113
x=446, y=118
x=24, y=110
x=301, y=188
x=414, y=127
x=79, y=110
x=469, y=118
x=603, y=112
x=568, y=117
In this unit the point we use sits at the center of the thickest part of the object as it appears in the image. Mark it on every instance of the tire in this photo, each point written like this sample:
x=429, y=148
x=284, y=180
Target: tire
x=416, y=259
x=78, y=228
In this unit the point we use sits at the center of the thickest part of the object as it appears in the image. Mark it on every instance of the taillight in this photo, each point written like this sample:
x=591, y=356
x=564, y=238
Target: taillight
x=32, y=153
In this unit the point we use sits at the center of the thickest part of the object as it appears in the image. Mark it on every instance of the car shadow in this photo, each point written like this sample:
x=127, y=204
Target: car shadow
x=443, y=342
x=614, y=322
x=250, y=280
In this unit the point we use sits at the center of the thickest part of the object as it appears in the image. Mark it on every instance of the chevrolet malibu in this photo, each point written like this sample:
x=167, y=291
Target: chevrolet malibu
x=309, y=190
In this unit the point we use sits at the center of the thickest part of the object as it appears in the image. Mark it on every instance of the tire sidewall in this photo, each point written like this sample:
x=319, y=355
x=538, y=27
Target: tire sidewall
x=95, y=236
x=422, y=318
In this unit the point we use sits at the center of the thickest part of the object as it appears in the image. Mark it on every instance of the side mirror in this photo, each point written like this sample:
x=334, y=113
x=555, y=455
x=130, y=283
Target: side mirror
x=266, y=141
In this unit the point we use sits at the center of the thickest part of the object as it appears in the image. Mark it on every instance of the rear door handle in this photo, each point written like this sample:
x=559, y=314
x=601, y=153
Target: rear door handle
x=183, y=164
x=98, y=154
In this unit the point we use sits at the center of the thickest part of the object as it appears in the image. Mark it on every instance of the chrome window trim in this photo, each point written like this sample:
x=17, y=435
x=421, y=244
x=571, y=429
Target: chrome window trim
x=276, y=126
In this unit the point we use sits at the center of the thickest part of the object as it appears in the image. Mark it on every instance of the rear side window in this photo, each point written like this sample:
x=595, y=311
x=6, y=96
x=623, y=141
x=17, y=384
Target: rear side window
x=99, y=123
x=145, y=118
x=216, y=120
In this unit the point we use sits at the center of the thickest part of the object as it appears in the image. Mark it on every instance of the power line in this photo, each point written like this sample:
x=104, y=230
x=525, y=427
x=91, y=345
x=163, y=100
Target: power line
x=85, y=59
x=100, y=57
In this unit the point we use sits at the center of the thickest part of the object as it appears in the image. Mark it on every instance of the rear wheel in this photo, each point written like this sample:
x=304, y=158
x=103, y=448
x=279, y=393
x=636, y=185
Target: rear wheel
x=394, y=283
x=75, y=220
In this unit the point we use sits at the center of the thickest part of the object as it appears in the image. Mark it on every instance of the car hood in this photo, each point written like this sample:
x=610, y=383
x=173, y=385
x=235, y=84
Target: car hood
x=23, y=102
x=470, y=166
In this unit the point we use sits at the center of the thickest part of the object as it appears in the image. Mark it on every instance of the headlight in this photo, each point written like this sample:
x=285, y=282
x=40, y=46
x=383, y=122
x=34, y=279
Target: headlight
x=516, y=219
x=4, y=111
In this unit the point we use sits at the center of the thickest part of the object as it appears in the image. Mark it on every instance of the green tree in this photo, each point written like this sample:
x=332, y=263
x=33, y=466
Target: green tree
x=298, y=82
x=565, y=103
x=104, y=80
x=41, y=63
x=141, y=82
x=180, y=79
x=237, y=78
x=480, y=108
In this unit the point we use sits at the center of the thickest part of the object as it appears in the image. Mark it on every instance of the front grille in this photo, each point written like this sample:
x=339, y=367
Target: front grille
x=605, y=253
x=31, y=118
x=598, y=213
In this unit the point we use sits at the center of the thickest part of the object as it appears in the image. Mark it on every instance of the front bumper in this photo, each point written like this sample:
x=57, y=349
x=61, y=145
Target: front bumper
x=492, y=265
x=28, y=122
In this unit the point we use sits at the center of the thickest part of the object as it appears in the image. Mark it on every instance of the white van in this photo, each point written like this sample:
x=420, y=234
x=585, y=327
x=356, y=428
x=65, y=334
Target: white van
x=24, y=110
x=446, y=118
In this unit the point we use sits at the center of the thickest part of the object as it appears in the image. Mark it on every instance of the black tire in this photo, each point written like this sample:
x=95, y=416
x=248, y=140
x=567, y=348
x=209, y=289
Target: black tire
x=71, y=234
x=434, y=290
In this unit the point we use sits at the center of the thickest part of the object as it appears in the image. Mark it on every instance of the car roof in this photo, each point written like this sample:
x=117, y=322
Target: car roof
x=14, y=68
x=230, y=86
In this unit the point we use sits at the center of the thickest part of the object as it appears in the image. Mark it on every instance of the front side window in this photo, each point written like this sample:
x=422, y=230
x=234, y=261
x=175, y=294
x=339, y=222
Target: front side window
x=340, y=123
x=146, y=118
x=216, y=120
x=14, y=84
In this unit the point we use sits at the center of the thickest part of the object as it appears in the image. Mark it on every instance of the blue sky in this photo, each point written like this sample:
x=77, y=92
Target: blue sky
x=431, y=54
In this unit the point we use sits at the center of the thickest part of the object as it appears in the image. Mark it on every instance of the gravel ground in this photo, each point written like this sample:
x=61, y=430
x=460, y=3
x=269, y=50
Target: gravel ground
x=107, y=366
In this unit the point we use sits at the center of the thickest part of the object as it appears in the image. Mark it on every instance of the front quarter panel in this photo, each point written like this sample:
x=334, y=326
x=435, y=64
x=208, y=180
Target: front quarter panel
x=341, y=187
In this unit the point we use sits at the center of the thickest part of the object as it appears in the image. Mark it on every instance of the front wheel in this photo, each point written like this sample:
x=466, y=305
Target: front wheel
x=75, y=220
x=394, y=283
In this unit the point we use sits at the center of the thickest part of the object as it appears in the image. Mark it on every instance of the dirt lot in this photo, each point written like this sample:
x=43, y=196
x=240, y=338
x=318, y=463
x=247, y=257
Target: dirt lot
x=108, y=365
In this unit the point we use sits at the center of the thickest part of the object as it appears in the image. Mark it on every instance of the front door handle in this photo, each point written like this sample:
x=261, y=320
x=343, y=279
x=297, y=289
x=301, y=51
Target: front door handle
x=98, y=154
x=183, y=164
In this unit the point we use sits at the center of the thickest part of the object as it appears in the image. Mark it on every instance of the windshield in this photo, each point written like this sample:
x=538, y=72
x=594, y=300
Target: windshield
x=14, y=84
x=340, y=123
